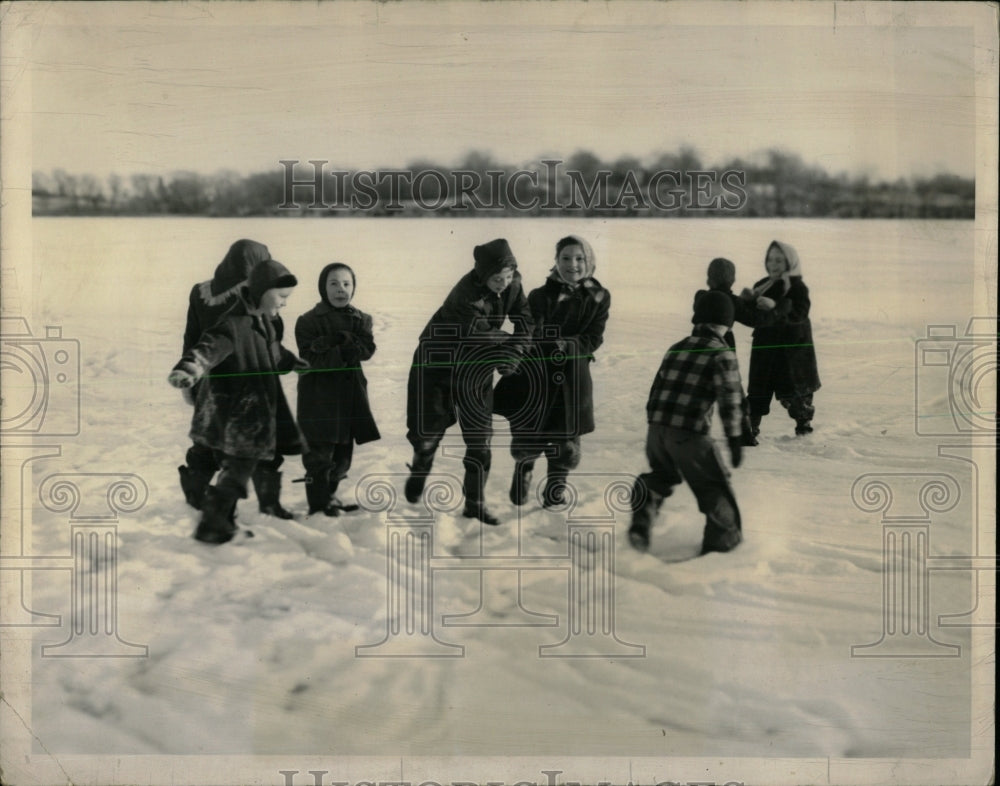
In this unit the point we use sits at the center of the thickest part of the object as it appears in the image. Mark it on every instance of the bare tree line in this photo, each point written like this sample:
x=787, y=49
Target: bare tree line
x=774, y=183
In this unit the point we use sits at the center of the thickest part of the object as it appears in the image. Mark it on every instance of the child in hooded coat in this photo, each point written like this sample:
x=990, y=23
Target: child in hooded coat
x=207, y=302
x=237, y=411
x=782, y=358
x=721, y=277
x=334, y=337
x=451, y=379
x=570, y=312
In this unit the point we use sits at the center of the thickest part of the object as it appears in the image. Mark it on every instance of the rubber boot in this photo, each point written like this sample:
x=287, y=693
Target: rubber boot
x=267, y=483
x=193, y=484
x=645, y=507
x=473, y=487
x=318, y=493
x=216, y=525
x=419, y=469
x=521, y=482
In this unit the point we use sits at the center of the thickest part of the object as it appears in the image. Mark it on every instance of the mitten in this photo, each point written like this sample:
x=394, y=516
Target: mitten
x=184, y=375
x=321, y=344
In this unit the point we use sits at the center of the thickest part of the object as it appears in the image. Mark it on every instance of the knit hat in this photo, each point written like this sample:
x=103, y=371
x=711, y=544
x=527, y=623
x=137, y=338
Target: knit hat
x=714, y=308
x=236, y=265
x=493, y=257
x=327, y=270
x=269, y=274
x=721, y=272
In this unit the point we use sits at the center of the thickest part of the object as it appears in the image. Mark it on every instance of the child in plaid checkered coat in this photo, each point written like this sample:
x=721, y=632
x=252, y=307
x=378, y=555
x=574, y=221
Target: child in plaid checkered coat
x=695, y=374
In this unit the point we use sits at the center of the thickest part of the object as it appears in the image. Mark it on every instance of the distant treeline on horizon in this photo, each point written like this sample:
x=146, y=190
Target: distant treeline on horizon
x=774, y=184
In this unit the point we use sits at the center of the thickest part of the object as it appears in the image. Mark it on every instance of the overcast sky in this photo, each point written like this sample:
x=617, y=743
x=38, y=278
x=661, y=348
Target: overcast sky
x=156, y=88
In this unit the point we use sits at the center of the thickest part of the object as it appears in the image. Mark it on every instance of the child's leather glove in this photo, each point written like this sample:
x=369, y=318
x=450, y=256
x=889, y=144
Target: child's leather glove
x=736, y=450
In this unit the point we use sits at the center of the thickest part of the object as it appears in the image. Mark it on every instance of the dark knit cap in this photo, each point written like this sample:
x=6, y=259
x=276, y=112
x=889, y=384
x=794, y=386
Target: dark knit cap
x=269, y=274
x=715, y=308
x=493, y=257
x=722, y=271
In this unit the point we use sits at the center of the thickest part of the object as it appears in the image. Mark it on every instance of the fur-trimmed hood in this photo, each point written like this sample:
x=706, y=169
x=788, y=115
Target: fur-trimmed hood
x=232, y=272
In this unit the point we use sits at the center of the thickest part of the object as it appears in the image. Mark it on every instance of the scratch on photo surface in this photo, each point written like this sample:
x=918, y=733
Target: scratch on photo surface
x=35, y=737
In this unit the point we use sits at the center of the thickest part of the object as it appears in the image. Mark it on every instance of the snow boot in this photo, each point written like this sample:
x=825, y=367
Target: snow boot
x=217, y=524
x=477, y=510
x=521, y=482
x=318, y=494
x=419, y=469
x=645, y=507
x=803, y=427
x=193, y=484
x=267, y=483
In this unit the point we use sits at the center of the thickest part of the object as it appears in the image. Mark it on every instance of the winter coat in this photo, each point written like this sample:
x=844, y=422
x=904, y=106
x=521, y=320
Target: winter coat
x=459, y=349
x=551, y=394
x=333, y=402
x=240, y=409
x=694, y=374
x=783, y=357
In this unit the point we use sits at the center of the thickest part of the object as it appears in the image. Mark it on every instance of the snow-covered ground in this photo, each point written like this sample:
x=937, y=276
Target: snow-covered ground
x=741, y=658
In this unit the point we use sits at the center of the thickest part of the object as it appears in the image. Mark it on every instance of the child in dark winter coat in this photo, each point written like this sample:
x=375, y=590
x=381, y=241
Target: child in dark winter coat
x=237, y=412
x=695, y=373
x=208, y=301
x=452, y=374
x=782, y=358
x=333, y=409
x=570, y=313
x=721, y=277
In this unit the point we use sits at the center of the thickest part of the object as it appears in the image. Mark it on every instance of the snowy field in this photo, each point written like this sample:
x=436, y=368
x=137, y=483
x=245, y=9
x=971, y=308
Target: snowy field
x=741, y=657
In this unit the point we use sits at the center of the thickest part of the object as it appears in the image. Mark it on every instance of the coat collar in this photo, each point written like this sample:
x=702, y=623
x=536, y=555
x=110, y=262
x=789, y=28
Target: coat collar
x=325, y=308
x=589, y=287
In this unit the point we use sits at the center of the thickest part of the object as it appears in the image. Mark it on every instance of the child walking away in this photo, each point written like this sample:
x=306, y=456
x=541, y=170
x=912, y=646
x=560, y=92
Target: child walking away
x=207, y=302
x=695, y=373
x=237, y=413
x=452, y=374
x=782, y=358
x=721, y=277
x=333, y=410
x=570, y=313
